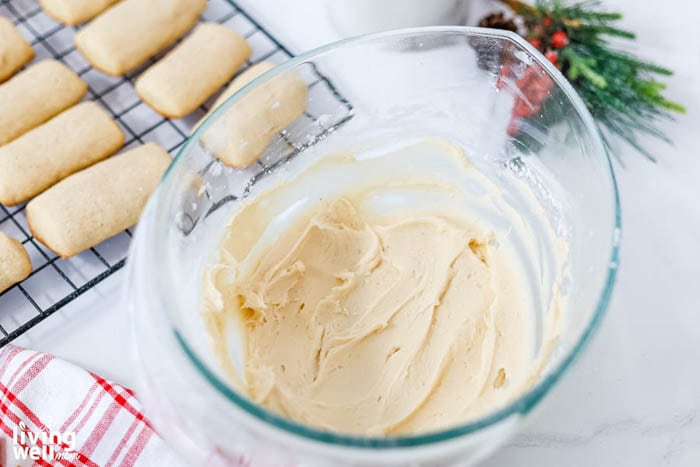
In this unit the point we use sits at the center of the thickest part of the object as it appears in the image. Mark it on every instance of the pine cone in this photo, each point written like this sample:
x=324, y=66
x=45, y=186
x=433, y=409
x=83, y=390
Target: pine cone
x=498, y=21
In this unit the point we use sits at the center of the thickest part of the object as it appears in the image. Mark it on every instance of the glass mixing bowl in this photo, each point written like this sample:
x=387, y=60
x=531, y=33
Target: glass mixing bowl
x=481, y=89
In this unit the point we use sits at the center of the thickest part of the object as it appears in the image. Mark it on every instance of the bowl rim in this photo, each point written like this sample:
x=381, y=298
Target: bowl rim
x=526, y=401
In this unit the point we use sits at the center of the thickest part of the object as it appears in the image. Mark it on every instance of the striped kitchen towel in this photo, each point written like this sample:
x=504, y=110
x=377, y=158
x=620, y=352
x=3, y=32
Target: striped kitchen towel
x=54, y=413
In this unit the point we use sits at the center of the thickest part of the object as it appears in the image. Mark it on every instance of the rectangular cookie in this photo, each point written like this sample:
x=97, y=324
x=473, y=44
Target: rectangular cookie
x=125, y=36
x=242, y=133
x=15, y=51
x=241, y=80
x=35, y=95
x=73, y=12
x=97, y=203
x=73, y=140
x=193, y=71
x=15, y=265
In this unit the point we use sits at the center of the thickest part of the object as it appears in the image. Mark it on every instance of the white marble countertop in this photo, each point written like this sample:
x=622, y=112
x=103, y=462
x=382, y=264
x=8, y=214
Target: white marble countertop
x=633, y=399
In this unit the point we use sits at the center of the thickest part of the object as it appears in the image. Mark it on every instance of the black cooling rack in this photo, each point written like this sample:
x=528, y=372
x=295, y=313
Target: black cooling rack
x=56, y=282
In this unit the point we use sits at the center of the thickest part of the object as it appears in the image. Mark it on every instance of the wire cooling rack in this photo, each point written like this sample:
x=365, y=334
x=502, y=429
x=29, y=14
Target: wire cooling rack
x=55, y=282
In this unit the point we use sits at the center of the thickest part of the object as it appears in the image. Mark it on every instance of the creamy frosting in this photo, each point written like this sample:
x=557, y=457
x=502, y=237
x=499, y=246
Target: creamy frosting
x=359, y=318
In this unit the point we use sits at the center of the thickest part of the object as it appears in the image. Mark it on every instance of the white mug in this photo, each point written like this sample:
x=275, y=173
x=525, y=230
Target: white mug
x=353, y=17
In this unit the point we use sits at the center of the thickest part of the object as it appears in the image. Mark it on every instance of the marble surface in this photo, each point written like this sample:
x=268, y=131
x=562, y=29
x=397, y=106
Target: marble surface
x=633, y=399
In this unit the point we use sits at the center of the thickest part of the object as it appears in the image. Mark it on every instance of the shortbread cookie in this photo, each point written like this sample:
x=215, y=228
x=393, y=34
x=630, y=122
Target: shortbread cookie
x=193, y=71
x=15, y=51
x=125, y=36
x=15, y=265
x=72, y=12
x=241, y=80
x=35, y=95
x=73, y=140
x=93, y=205
x=243, y=132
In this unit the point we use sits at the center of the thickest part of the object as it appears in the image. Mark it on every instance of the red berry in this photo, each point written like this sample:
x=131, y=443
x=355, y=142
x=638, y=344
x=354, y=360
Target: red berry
x=559, y=39
x=513, y=127
x=536, y=43
x=502, y=80
x=546, y=21
x=552, y=56
x=521, y=109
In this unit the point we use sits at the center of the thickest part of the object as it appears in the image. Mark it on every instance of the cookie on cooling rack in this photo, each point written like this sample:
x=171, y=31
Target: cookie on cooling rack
x=35, y=95
x=15, y=50
x=241, y=135
x=97, y=203
x=15, y=265
x=72, y=12
x=193, y=71
x=132, y=31
x=73, y=140
x=241, y=80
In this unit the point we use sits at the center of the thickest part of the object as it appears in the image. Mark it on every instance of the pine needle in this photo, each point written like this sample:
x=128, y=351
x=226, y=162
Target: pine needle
x=622, y=92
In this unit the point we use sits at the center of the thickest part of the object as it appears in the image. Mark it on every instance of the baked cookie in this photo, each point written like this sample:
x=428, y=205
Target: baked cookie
x=193, y=71
x=72, y=12
x=35, y=95
x=241, y=80
x=97, y=203
x=242, y=133
x=125, y=36
x=73, y=140
x=15, y=265
x=15, y=50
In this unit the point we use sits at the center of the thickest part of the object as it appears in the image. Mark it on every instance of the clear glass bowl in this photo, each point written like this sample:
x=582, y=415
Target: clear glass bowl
x=469, y=85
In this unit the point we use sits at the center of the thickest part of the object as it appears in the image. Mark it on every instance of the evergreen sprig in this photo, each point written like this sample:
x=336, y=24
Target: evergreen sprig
x=622, y=92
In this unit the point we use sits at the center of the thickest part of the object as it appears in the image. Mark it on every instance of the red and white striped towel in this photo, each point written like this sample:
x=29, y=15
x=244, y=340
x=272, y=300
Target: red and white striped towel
x=70, y=417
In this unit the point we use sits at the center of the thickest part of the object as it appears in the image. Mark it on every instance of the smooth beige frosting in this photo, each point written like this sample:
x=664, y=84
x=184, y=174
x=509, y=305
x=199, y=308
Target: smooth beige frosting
x=369, y=321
